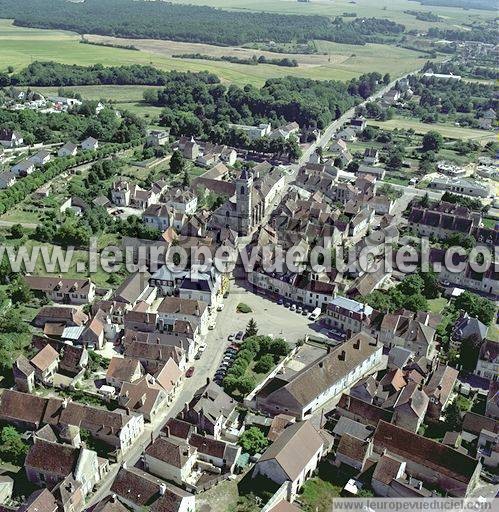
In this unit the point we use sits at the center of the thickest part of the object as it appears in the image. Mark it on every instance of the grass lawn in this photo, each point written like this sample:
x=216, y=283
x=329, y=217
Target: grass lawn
x=395, y=181
x=318, y=492
x=447, y=131
x=493, y=333
x=20, y=46
x=437, y=305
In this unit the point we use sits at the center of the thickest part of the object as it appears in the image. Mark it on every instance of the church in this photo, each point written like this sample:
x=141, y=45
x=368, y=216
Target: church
x=258, y=192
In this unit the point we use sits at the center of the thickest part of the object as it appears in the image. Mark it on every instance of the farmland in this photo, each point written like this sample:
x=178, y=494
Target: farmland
x=447, y=131
x=21, y=46
x=392, y=10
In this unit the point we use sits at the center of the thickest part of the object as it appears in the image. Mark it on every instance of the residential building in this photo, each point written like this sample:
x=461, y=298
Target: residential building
x=463, y=186
x=349, y=315
x=159, y=216
x=67, y=291
x=123, y=369
x=439, y=389
x=434, y=463
x=487, y=365
x=41, y=158
x=414, y=331
x=137, y=490
x=410, y=407
x=170, y=459
x=182, y=200
x=172, y=309
x=253, y=132
x=135, y=288
x=69, y=149
x=307, y=390
x=68, y=316
x=45, y=363
x=23, y=168
x=293, y=457
x=465, y=328
x=210, y=409
x=353, y=452
x=492, y=405
x=7, y=179
x=90, y=144
x=10, y=138
x=48, y=464
x=371, y=156
x=157, y=137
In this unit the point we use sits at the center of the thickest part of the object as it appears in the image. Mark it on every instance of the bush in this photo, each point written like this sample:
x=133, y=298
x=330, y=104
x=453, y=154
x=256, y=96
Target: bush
x=243, y=308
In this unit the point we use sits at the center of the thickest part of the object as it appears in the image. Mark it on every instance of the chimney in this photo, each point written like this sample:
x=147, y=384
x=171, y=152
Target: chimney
x=65, y=403
x=342, y=355
x=166, y=430
x=162, y=489
x=356, y=344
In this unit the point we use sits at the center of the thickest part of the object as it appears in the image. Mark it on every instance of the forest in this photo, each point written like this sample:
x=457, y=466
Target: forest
x=482, y=34
x=198, y=108
x=53, y=74
x=201, y=24
x=463, y=69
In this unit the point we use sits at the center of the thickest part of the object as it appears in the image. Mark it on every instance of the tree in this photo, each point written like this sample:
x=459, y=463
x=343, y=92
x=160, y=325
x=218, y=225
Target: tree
x=12, y=447
x=17, y=231
x=246, y=384
x=253, y=441
x=430, y=284
x=476, y=306
x=264, y=364
x=432, y=141
x=186, y=179
x=453, y=417
x=177, y=163
x=19, y=292
x=425, y=200
x=251, y=329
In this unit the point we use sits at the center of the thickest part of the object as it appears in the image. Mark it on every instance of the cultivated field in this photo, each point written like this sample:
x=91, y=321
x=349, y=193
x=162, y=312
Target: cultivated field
x=20, y=46
x=448, y=131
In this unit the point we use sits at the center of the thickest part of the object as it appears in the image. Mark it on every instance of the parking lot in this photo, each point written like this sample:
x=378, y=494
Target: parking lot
x=270, y=317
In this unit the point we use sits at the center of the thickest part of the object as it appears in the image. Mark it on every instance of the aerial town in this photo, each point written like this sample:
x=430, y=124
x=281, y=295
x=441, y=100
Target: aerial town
x=226, y=298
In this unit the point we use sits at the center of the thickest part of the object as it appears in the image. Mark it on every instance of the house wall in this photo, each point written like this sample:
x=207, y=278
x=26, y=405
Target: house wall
x=167, y=471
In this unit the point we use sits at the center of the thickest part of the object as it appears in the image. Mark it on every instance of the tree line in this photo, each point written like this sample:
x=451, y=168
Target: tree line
x=64, y=126
x=201, y=24
x=249, y=61
x=53, y=74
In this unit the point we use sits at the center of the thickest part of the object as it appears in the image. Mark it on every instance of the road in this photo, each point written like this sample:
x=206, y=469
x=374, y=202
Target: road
x=349, y=114
x=271, y=319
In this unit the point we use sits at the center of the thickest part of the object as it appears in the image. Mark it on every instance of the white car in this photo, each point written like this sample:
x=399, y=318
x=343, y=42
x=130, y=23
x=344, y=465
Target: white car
x=220, y=307
x=293, y=307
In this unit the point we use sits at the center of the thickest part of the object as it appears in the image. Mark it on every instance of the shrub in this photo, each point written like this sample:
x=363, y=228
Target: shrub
x=243, y=308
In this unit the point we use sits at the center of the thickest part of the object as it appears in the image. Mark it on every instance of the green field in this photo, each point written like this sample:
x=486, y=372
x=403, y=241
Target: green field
x=390, y=9
x=21, y=46
x=447, y=131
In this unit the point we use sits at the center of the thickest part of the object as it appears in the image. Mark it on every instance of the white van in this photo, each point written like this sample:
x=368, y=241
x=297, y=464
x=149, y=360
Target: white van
x=315, y=314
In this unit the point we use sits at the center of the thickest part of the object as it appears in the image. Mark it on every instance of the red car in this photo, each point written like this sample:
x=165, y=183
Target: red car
x=190, y=372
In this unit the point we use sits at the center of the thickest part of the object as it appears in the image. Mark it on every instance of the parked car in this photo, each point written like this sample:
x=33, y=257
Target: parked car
x=220, y=307
x=240, y=335
x=305, y=312
x=293, y=307
x=299, y=310
x=231, y=337
x=190, y=372
x=280, y=302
